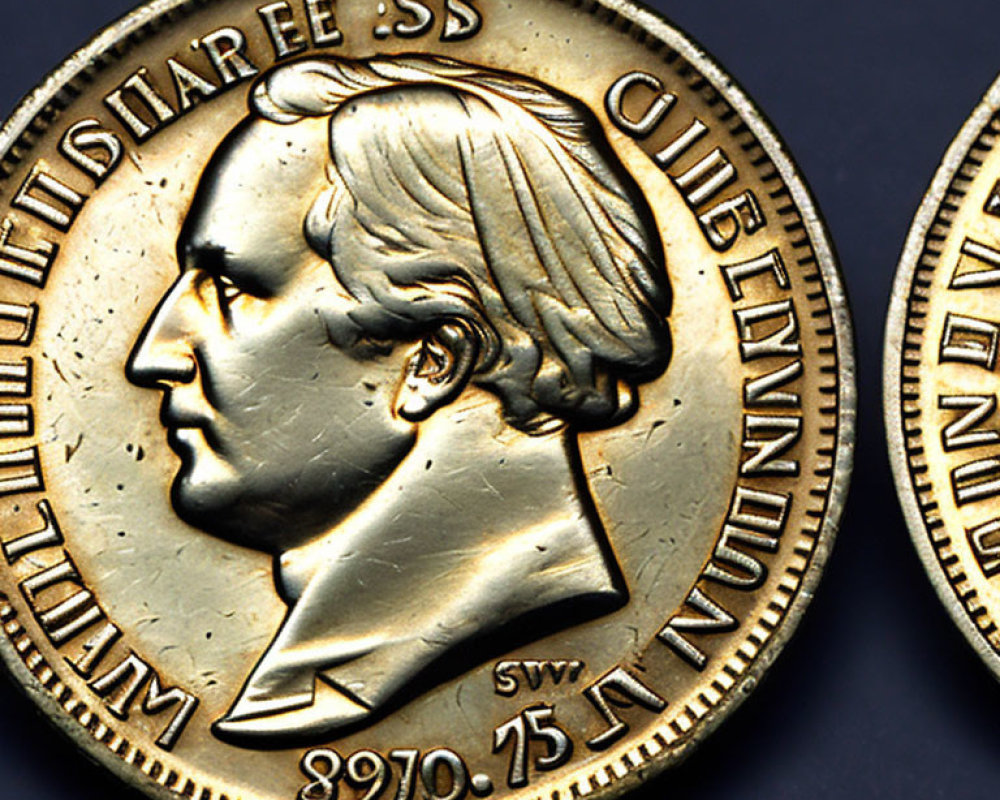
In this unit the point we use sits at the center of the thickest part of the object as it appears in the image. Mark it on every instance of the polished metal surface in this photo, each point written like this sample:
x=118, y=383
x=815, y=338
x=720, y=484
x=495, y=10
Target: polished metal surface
x=407, y=400
x=472, y=287
x=939, y=390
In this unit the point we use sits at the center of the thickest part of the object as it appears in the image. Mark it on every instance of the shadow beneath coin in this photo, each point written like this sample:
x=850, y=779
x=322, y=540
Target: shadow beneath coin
x=39, y=762
x=876, y=654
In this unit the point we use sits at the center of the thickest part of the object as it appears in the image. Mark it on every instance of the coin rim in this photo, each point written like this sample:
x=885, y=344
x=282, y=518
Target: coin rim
x=892, y=375
x=658, y=27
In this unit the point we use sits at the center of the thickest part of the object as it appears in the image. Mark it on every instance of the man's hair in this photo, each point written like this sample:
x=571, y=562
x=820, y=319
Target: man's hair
x=470, y=196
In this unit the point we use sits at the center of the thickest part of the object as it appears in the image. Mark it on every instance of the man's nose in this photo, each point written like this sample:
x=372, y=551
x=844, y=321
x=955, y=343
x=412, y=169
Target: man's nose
x=163, y=353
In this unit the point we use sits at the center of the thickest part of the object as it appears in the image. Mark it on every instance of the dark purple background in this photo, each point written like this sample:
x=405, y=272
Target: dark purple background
x=878, y=696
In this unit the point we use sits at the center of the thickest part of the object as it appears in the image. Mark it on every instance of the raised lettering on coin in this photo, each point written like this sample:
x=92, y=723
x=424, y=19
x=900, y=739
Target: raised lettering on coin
x=418, y=399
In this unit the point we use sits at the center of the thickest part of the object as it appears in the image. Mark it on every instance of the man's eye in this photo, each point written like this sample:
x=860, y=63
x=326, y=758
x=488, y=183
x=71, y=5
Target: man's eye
x=228, y=291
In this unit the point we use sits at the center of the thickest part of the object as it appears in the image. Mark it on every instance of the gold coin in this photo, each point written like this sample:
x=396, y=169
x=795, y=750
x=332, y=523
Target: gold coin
x=428, y=398
x=940, y=381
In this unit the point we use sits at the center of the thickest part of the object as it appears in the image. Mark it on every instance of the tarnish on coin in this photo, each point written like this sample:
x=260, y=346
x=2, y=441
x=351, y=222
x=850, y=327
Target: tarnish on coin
x=427, y=399
x=941, y=350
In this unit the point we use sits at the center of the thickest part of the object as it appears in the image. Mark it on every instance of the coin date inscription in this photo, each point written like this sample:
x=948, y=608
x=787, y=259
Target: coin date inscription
x=441, y=773
x=504, y=403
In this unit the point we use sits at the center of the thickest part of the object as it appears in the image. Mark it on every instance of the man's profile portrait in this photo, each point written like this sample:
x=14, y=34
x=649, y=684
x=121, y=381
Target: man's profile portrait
x=406, y=285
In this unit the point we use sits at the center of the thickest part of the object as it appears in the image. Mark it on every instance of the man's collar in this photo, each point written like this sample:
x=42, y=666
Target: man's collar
x=362, y=629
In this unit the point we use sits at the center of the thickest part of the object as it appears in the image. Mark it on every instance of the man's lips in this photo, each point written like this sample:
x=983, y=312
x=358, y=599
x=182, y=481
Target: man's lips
x=177, y=422
x=187, y=438
x=182, y=422
x=174, y=414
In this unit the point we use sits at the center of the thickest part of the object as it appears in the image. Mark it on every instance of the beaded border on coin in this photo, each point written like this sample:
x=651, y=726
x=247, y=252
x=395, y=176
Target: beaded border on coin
x=764, y=640
x=902, y=338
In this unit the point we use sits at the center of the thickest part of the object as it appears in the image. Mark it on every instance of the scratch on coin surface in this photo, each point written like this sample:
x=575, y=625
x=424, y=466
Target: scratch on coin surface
x=72, y=449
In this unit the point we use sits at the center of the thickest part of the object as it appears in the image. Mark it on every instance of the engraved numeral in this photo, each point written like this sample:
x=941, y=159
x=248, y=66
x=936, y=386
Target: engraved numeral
x=456, y=776
x=442, y=773
x=323, y=767
x=408, y=759
x=366, y=768
x=534, y=724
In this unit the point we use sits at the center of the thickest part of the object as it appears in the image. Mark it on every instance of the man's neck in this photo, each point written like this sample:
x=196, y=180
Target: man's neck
x=482, y=535
x=470, y=480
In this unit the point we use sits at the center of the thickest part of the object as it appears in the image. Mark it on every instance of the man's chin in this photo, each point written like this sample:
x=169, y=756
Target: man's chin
x=221, y=509
x=208, y=495
x=212, y=507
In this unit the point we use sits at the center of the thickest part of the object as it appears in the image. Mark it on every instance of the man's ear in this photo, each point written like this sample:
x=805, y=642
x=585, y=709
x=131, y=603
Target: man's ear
x=438, y=371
